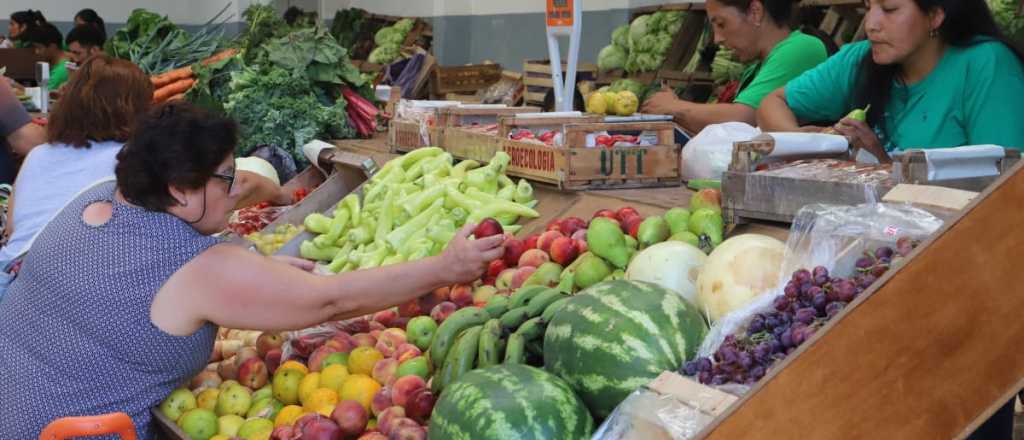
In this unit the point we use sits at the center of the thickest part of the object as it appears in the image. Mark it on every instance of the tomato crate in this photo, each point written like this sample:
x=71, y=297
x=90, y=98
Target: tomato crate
x=572, y=165
x=405, y=136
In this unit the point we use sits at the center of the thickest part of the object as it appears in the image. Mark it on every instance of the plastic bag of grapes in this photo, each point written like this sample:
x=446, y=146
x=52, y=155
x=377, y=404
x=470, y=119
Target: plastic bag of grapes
x=833, y=254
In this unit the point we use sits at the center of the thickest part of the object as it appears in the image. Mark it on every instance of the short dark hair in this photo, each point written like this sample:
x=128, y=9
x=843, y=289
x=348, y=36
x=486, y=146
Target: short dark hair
x=86, y=35
x=45, y=34
x=101, y=102
x=90, y=16
x=782, y=12
x=175, y=144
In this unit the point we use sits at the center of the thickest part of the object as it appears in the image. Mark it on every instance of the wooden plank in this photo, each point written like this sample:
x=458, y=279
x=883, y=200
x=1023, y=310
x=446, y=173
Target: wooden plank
x=623, y=163
x=926, y=353
x=456, y=116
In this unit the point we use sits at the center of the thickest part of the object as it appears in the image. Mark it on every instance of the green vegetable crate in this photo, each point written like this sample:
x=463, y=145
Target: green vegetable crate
x=573, y=165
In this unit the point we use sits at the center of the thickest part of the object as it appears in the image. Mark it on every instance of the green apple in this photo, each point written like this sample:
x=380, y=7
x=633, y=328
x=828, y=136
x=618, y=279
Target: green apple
x=420, y=331
x=179, y=401
x=199, y=424
x=335, y=358
x=416, y=366
x=234, y=400
x=260, y=394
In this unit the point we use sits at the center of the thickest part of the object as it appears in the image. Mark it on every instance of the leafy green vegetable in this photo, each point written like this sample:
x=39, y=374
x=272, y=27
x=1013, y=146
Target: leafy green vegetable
x=611, y=57
x=1008, y=16
x=405, y=26
x=620, y=36
x=347, y=25
x=385, y=54
x=156, y=45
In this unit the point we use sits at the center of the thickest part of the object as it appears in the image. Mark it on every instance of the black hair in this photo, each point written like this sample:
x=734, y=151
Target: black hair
x=29, y=17
x=45, y=34
x=782, y=12
x=292, y=15
x=174, y=144
x=90, y=16
x=85, y=35
x=964, y=21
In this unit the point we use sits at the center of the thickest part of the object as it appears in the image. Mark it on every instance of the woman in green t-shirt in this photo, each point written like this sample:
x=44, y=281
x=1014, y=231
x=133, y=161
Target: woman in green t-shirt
x=759, y=32
x=936, y=73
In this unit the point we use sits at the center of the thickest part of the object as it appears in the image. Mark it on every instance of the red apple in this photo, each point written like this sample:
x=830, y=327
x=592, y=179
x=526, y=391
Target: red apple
x=462, y=295
x=386, y=317
x=406, y=429
x=487, y=228
x=605, y=213
x=268, y=341
x=532, y=258
x=545, y=240
x=443, y=311
x=495, y=267
x=273, y=360
x=530, y=242
x=570, y=225
x=513, y=250
x=581, y=246
x=351, y=417
x=489, y=281
x=420, y=404
x=386, y=418
x=381, y=401
x=626, y=212
x=632, y=225
x=564, y=251
x=553, y=225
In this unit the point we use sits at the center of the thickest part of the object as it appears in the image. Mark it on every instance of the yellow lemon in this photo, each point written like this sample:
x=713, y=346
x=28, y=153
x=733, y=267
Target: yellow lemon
x=362, y=359
x=361, y=388
x=288, y=415
x=333, y=376
x=320, y=398
x=294, y=365
x=306, y=387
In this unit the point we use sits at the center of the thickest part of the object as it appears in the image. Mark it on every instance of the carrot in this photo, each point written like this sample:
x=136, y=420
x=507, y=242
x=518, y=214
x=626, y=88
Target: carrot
x=180, y=86
x=171, y=76
x=177, y=97
x=220, y=56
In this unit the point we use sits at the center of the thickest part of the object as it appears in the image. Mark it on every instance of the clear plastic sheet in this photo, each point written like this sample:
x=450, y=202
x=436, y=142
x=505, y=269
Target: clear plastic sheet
x=649, y=415
x=832, y=236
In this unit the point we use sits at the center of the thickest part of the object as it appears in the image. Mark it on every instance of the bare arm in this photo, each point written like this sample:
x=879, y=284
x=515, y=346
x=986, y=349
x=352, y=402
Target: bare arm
x=694, y=117
x=255, y=188
x=26, y=138
x=775, y=114
x=255, y=292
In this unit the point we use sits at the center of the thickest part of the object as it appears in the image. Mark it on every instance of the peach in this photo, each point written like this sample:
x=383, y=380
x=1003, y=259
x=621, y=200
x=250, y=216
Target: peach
x=404, y=388
x=389, y=341
x=410, y=309
x=373, y=435
x=386, y=317
x=384, y=370
x=582, y=247
x=513, y=250
x=570, y=225
x=381, y=401
x=563, y=251
x=374, y=325
x=462, y=295
x=406, y=426
x=522, y=274
x=626, y=212
x=341, y=342
x=494, y=268
x=268, y=341
x=364, y=340
x=420, y=404
x=389, y=415
x=504, y=280
x=579, y=235
x=316, y=359
x=273, y=360
x=443, y=311
x=545, y=240
x=253, y=373
x=351, y=417
x=482, y=294
x=531, y=241
x=407, y=351
x=442, y=293
x=533, y=258
x=553, y=225
x=228, y=369
x=245, y=354
x=205, y=379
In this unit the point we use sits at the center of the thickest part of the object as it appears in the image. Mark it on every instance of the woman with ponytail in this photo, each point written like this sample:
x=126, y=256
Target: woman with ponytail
x=935, y=73
x=21, y=22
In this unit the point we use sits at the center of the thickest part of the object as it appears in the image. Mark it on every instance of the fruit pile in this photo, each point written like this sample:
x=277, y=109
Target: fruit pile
x=810, y=299
x=269, y=242
x=413, y=207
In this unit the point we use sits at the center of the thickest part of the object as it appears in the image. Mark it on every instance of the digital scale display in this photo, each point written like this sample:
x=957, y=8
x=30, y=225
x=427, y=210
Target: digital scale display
x=559, y=13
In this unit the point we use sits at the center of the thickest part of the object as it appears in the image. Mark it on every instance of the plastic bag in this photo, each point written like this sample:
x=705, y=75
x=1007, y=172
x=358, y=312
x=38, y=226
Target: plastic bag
x=302, y=343
x=649, y=415
x=832, y=236
x=709, y=153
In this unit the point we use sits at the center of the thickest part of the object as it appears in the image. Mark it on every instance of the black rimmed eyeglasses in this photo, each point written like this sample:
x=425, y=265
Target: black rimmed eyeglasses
x=230, y=179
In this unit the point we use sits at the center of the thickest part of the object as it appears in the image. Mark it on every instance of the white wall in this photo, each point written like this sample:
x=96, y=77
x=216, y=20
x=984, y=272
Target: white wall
x=434, y=8
x=117, y=11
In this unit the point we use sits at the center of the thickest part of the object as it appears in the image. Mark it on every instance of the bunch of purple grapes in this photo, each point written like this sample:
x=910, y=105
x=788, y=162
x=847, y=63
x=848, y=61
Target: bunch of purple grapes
x=810, y=299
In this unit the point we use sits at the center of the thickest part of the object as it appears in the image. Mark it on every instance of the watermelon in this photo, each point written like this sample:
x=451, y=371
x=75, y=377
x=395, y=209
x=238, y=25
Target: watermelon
x=617, y=336
x=510, y=401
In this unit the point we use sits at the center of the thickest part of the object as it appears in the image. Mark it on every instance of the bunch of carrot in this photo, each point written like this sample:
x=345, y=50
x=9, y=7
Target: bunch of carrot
x=173, y=84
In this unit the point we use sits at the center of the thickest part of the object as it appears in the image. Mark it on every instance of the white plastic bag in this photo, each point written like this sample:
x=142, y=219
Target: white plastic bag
x=709, y=153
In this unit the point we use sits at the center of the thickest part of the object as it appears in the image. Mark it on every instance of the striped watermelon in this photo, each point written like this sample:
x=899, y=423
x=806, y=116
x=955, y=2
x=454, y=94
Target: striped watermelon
x=617, y=336
x=510, y=401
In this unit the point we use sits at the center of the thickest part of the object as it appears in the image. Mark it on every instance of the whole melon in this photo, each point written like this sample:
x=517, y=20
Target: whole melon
x=510, y=401
x=617, y=336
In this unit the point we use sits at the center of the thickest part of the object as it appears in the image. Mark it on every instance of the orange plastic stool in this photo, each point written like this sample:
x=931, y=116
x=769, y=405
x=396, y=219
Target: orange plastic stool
x=70, y=427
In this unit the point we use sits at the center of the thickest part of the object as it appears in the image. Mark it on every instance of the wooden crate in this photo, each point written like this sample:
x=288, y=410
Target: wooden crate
x=421, y=35
x=405, y=136
x=537, y=78
x=575, y=166
x=458, y=116
x=925, y=353
x=463, y=79
x=843, y=20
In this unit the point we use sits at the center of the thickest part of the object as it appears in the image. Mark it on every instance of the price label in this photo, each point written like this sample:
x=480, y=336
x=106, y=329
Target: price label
x=559, y=13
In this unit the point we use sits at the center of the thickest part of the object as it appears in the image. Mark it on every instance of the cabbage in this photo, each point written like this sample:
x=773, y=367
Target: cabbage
x=404, y=25
x=656, y=22
x=620, y=36
x=627, y=84
x=645, y=43
x=631, y=65
x=611, y=57
x=648, y=62
x=639, y=28
x=673, y=22
x=388, y=35
x=384, y=54
x=662, y=42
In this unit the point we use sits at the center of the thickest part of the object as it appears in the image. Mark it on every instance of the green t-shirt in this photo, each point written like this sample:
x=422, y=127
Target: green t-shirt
x=796, y=54
x=58, y=74
x=974, y=96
